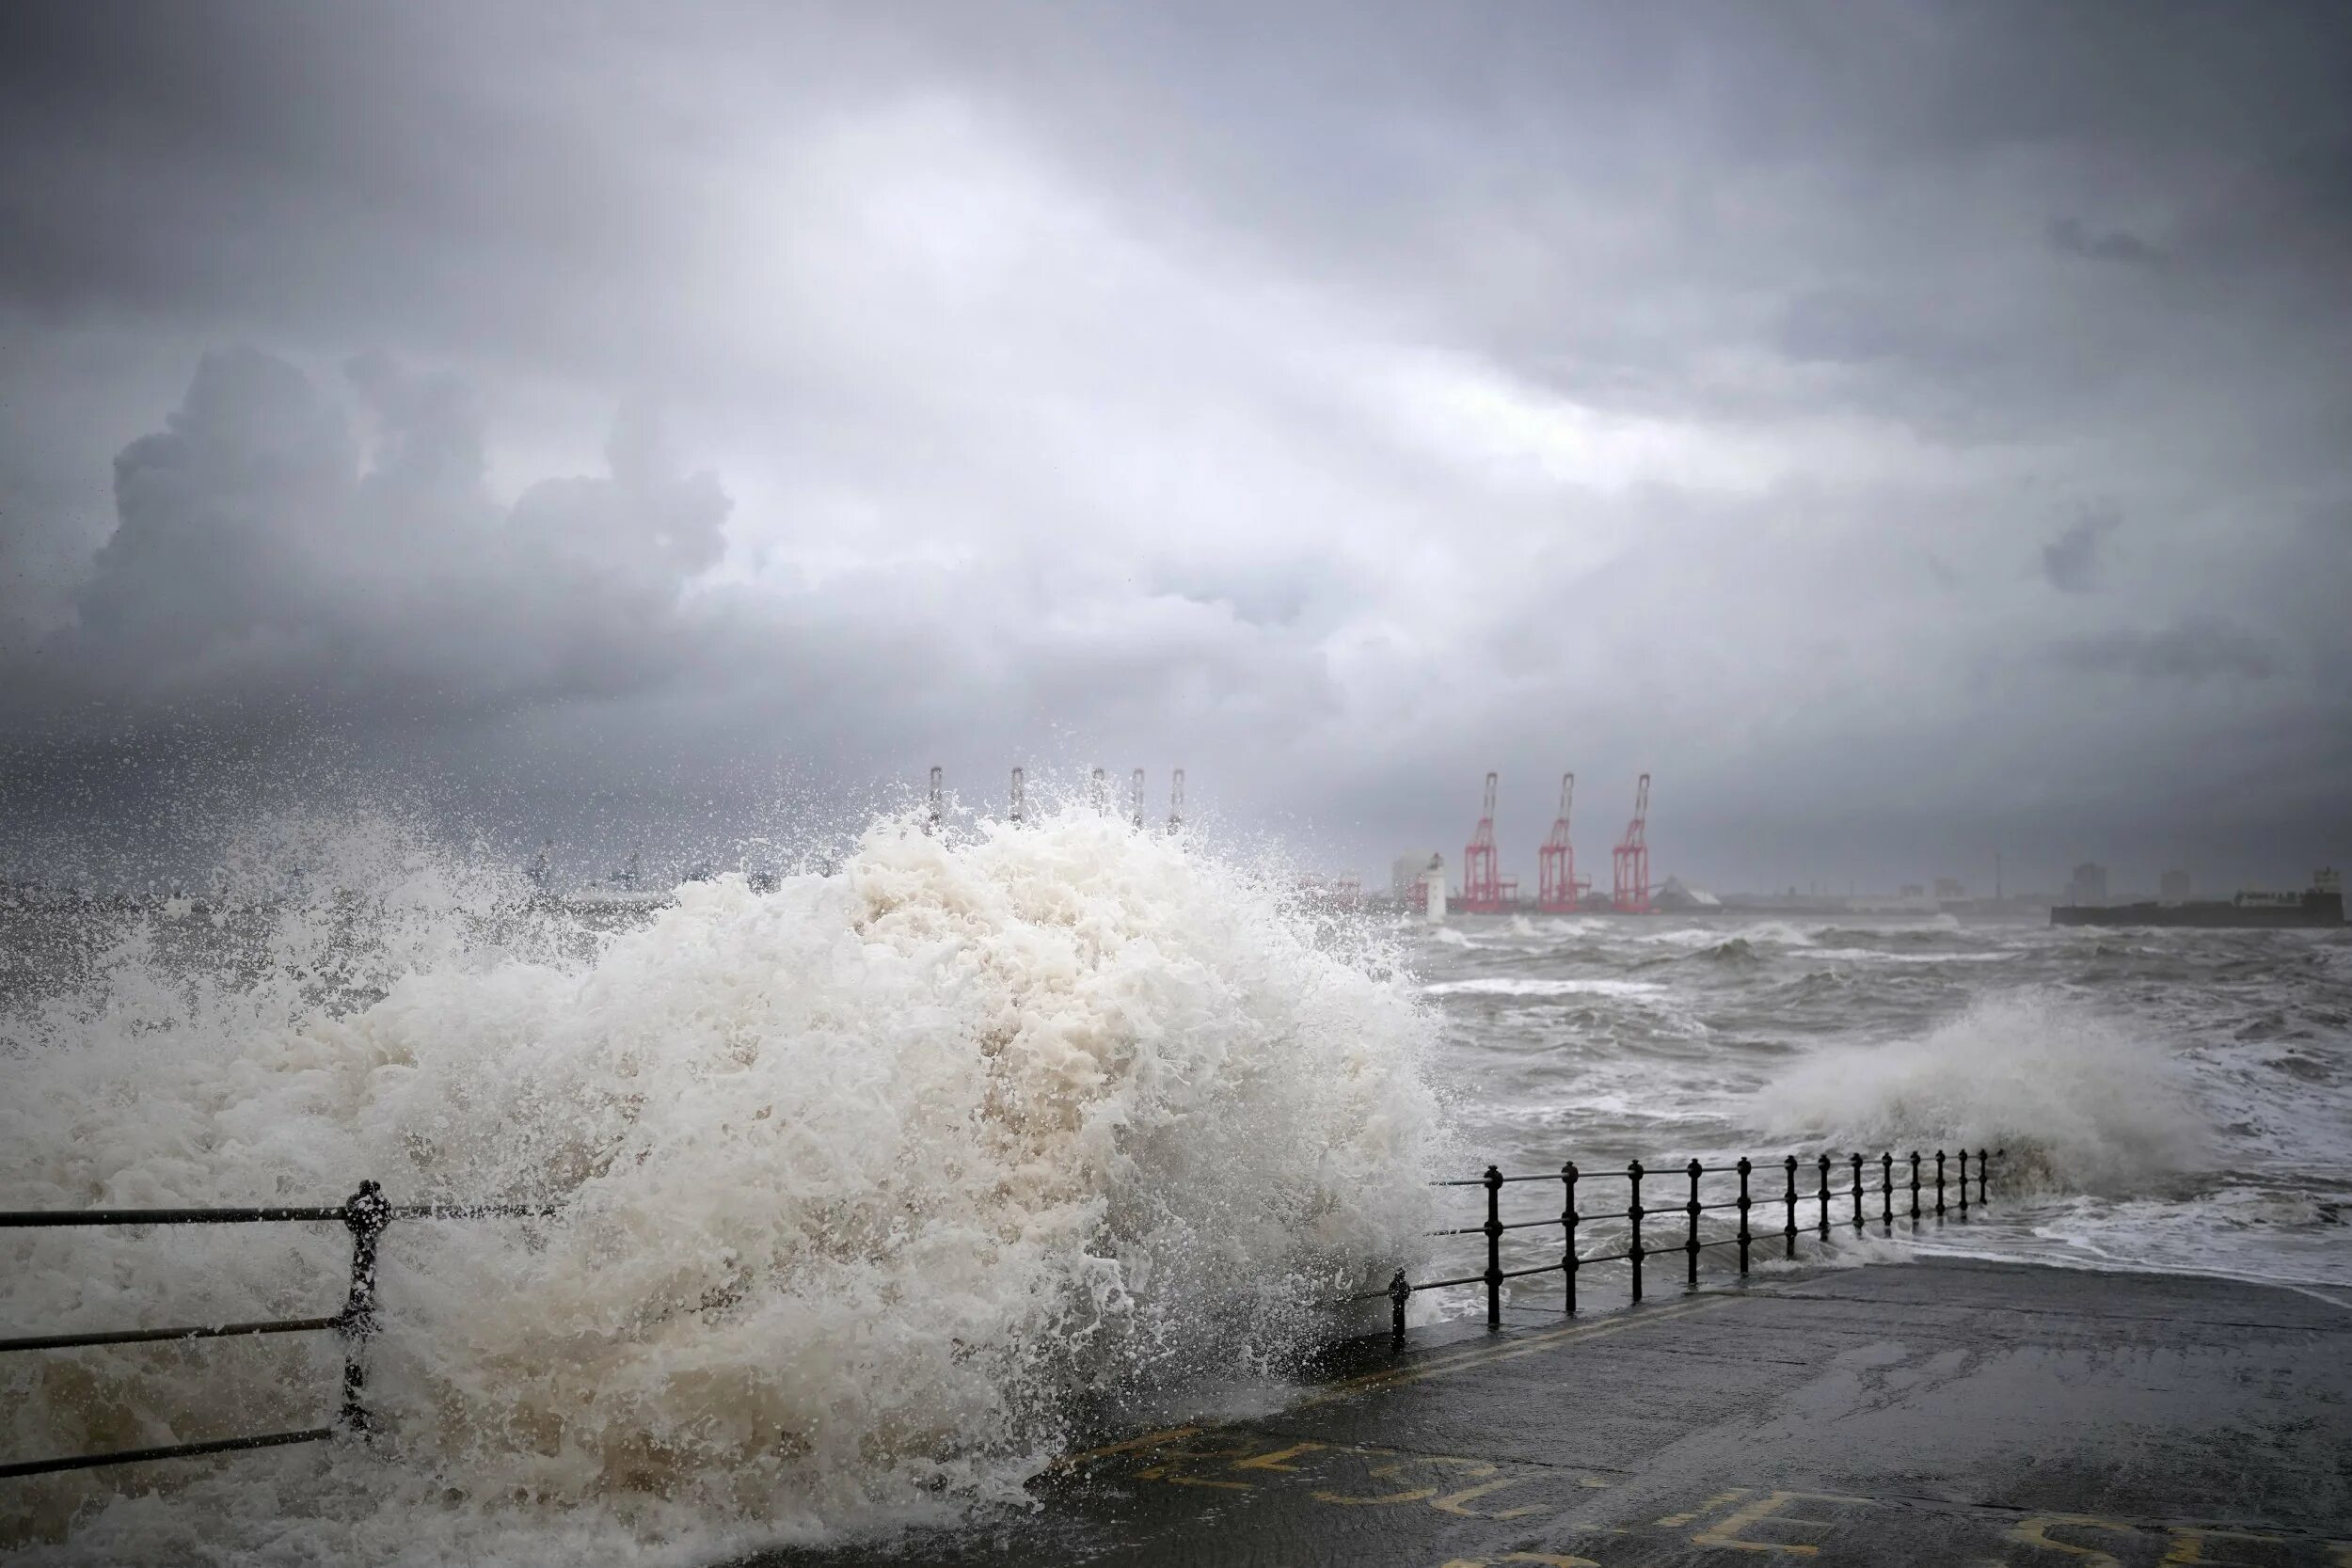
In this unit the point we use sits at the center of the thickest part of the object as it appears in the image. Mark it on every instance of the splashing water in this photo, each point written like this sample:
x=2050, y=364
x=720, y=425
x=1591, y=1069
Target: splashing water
x=2078, y=1099
x=865, y=1186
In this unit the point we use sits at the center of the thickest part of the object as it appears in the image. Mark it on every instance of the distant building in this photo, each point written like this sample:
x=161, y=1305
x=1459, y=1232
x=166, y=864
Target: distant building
x=1678, y=897
x=1406, y=874
x=1912, y=890
x=2088, y=885
x=2172, y=887
x=1948, y=890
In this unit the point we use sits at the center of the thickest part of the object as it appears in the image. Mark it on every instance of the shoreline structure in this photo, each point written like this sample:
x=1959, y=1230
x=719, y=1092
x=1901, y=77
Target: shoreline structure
x=1942, y=1413
x=1935, y=1411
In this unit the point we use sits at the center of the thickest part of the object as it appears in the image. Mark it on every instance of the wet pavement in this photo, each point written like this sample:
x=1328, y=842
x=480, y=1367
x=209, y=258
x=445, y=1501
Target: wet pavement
x=1930, y=1413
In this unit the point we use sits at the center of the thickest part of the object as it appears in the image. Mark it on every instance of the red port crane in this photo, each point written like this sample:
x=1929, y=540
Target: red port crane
x=1632, y=856
x=1557, y=889
x=1481, y=882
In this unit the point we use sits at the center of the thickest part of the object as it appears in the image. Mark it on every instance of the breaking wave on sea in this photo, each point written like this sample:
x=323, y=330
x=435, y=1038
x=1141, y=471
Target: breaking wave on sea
x=864, y=1187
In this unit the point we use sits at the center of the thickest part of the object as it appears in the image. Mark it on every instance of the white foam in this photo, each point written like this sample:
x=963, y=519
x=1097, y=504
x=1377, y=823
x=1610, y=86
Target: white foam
x=2075, y=1098
x=1510, y=985
x=1875, y=955
x=863, y=1181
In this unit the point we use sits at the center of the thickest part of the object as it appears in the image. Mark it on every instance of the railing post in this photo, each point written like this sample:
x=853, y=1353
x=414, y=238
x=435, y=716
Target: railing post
x=1915, y=1188
x=1743, y=1168
x=365, y=1214
x=1494, y=1247
x=1939, y=1184
x=1984, y=1170
x=1857, y=1191
x=1399, y=1293
x=1789, y=1229
x=1963, y=1184
x=1633, y=1252
x=1826, y=1197
x=1886, y=1192
x=1567, y=1230
x=1690, y=1248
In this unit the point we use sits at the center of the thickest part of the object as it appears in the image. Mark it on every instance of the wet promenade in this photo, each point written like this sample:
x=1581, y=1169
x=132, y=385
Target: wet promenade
x=1933, y=1412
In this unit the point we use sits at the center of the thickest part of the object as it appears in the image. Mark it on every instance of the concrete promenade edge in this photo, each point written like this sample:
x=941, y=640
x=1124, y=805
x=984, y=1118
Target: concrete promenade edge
x=1934, y=1412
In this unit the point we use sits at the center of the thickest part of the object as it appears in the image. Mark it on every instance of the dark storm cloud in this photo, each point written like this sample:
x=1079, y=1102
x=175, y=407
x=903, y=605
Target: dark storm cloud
x=2069, y=563
x=2070, y=235
x=2195, y=651
x=1348, y=398
x=263, y=555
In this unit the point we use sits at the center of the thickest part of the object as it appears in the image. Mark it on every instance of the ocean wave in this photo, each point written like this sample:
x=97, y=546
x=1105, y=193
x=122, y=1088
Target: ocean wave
x=1876, y=955
x=863, y=1181
x=1513, y=985
x=2078, y=1099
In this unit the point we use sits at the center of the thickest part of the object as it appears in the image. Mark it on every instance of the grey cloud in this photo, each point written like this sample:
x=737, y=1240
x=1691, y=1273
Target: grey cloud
x=2069, y=563
x=1351, y=397
x=2194, y=650
x=263, y=557
x=2076, y=238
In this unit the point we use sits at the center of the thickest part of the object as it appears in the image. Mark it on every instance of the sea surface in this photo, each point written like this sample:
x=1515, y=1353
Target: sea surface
x=874, y=1188
x=2167, y=1100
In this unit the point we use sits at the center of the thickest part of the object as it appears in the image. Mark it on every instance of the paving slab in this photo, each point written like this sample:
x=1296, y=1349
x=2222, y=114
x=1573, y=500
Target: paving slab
x=1943, y=1413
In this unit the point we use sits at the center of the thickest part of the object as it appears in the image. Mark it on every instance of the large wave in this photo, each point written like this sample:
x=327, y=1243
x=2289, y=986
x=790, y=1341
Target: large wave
x=2079, y=1100
x=865, y=1185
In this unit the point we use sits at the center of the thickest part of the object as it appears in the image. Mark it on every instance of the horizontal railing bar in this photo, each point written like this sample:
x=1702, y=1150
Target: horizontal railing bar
x=1441, y=1284
x=24, y=1218
x=175, y=1450
x=21, y=1218
x=1516, y=1225
x=144, y=1336
x=1839, y=1163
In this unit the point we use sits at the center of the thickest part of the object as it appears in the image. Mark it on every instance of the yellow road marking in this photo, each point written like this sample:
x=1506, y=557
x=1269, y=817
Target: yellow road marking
x=1769, y=1507
x=2189, y=1545
x=2035, y=1532
x=1458, y=1502
x=1675, y=1521
x=1274, y=1461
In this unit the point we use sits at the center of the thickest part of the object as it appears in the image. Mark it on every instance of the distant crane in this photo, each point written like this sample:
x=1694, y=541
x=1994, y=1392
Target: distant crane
x=1557, y=889
x=1020, y=797
x=1482, y=882
x=939, y=796
x=1134, y=797
x=1631, y=855
x=1176, y=802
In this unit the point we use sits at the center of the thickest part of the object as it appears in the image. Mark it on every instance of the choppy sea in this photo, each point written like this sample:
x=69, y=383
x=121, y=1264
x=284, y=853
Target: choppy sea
x=867, y=1185
x=2169, y=1099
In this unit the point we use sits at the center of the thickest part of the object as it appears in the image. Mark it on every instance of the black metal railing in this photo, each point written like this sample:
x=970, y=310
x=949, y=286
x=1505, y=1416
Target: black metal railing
x=366, y=1213
x=1633, y=1250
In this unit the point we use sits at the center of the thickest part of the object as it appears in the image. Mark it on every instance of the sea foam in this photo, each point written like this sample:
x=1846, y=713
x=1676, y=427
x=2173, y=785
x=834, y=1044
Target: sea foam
x=2079, y=1100
x=865, y=1185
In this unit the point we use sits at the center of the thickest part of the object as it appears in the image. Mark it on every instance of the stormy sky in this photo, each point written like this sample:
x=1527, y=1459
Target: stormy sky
x=1910, y=432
